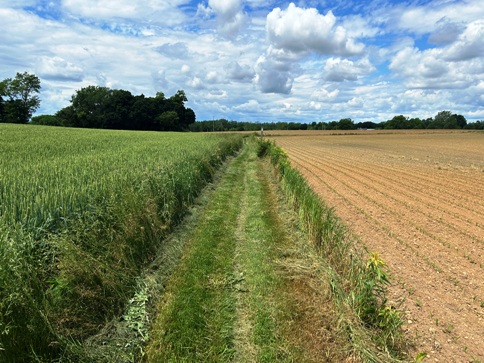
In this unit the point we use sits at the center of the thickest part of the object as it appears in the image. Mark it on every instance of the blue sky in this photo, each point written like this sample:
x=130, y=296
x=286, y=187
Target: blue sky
x=256, y=60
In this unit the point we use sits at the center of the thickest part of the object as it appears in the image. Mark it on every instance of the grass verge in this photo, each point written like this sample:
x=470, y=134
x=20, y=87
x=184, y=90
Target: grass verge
x=358, y=283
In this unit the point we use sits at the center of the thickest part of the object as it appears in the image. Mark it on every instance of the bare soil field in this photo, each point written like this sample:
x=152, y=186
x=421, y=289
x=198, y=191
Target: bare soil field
x=417, y=198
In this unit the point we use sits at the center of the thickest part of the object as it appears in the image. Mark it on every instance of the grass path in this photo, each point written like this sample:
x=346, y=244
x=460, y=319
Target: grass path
x=247, y=287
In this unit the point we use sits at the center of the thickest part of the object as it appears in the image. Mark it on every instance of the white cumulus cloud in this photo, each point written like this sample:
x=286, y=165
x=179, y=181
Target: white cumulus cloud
x=57, y=68
x=323, y=95
x=470, y=44
x=457, y=65
x=238, y=72
x=299, y=30
x=338, y=70
x=230, y=15
x=274, y=72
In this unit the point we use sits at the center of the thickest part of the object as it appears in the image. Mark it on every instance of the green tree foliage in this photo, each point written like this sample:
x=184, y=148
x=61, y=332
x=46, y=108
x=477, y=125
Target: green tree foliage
x=478, y=125
x=46, y=120
x=443, y=120
x=346, y=124
x=102, y=107
x=20, y=100
x=168, y=120
x=405, y=123
x=461, y=121
x=2, y=107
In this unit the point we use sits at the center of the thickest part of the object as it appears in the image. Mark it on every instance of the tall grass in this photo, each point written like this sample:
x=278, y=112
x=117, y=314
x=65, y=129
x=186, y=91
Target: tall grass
x=358, y=280
x=81, y=212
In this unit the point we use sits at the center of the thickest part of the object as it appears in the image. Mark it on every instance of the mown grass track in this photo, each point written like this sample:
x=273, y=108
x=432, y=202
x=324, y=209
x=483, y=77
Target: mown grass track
x=241, y=293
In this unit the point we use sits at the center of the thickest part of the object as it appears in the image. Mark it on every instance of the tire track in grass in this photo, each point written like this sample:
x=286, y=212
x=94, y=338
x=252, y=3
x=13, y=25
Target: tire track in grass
x=196, y=314
x=260, y=306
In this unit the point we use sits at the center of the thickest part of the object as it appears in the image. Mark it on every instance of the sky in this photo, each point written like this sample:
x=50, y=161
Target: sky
x=254, y=60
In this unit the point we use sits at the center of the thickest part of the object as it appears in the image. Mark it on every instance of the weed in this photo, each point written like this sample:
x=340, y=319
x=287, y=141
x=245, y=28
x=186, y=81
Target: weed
x=448, y=329
x=420, y=357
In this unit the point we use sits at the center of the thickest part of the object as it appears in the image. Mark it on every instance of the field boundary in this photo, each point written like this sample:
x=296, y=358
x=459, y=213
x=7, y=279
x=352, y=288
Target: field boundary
x=358, y=281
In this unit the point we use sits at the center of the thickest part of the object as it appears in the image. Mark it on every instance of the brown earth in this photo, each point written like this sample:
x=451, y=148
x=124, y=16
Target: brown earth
x=417, y=198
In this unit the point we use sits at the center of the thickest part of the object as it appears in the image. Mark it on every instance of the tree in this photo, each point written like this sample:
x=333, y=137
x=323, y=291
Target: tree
x=397, y=122
x=46, y=120
x=444, y=120
x=478, y=125
x=88, y=105
x=2, y=108
x=67, y=117
x=116, y=110
x=102, y=107
x=168, y=121
x=461, y=120
x=179, y=97
x=346, y=124
x=22, y=100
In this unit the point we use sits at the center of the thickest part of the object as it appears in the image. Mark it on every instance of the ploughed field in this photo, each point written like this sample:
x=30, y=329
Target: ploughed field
x=417, y=198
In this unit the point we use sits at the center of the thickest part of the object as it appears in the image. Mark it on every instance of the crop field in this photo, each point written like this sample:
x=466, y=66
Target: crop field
x=81, y=212
x=417, y=198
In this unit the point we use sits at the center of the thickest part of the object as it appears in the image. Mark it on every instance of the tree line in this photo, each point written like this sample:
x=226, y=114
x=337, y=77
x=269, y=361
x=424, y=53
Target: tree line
x=95, y=107
x=443, y=120
x=226, y=125
x=105, y=108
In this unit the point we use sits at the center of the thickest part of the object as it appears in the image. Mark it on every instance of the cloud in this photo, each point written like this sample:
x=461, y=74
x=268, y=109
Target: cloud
x=217, y=94
x=296, y=33
x=457, y=65
x=300, y=30
x=174, y=50
x=196, y=82
x=226, y=9
x=446, y=32
x=339, y=70
x=418, y=66
x=469, y=45
x=239, y=73
x=227, y=54
x=230, y=15
x=150, y=11
x=214, y=77
x=359, y=27
x=251, y=106
x=323, y=95
x=430, y=69
x=274, y=72
x=57, y=68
